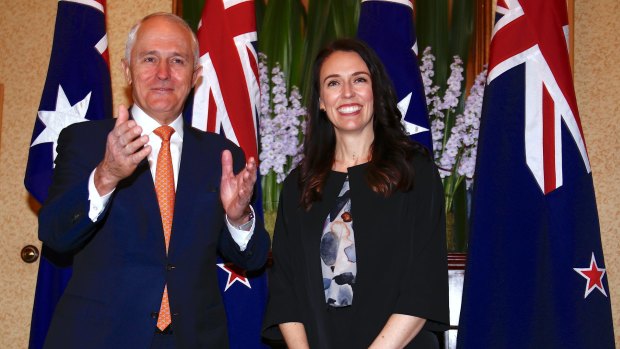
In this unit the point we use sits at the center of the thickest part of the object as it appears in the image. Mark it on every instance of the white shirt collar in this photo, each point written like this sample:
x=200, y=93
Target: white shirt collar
x=149, y=124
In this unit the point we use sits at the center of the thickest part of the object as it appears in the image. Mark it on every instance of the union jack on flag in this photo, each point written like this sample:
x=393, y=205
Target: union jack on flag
x=535, y=275
x=550, y=98
x=225, y=101
x=226, y=97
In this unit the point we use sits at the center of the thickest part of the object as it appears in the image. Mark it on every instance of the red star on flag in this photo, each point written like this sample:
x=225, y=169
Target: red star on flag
x=234, y=274
x=594, y=275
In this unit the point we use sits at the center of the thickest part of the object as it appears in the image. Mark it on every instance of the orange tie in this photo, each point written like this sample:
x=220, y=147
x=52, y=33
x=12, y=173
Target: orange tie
x=164, y=186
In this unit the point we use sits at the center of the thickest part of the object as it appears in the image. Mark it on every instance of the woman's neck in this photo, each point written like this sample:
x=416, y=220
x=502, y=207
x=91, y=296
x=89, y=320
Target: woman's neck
x=351, y=151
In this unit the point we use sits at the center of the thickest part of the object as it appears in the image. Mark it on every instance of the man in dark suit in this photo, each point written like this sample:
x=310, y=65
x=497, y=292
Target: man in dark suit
x=144, y=270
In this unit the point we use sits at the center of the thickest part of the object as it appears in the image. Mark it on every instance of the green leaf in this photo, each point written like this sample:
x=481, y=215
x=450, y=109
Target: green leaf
x=345, y=16
x=260, y=7
x=462, y=28
x=432, y=30
x=192, y=11
x=281, y=36
x=270, y=191
x=461, y=218
x=461, y=33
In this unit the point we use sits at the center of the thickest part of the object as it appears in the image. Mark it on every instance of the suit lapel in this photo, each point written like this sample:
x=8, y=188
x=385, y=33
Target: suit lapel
x=139, y=190
x=194, y=178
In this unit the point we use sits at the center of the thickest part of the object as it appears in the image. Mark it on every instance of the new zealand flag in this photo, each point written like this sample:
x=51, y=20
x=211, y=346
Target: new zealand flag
x=225, y=101
x=535, y=274
x=387, y=26
x=77, y=89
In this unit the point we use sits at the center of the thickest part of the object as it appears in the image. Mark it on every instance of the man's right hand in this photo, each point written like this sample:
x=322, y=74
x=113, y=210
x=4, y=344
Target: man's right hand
x=125, y=149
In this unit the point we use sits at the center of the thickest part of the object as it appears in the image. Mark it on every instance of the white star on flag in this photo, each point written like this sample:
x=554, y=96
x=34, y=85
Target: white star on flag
x=64, y=115
x=410, y=128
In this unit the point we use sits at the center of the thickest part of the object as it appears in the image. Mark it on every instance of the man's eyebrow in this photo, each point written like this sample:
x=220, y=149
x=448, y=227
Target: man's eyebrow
x=156, y=52
x=144, y=53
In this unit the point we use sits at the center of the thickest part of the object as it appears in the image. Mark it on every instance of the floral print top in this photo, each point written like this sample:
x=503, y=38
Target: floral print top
x=338, y=260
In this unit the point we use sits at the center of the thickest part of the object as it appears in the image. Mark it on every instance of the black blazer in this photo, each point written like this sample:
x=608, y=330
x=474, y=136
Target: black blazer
x=120, y=264
x=401, y=257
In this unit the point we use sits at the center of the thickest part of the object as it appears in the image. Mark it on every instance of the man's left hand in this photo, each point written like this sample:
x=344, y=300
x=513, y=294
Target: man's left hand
x=236, y=190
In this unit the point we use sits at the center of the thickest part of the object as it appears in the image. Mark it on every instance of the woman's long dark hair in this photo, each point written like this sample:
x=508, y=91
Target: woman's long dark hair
x=390, y=167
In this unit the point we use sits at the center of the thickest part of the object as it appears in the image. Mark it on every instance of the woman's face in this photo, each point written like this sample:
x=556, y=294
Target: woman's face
x=346, y=93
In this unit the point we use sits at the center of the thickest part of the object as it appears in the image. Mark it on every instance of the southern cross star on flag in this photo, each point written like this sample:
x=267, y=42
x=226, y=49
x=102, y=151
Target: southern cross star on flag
x=77, y=89
x=535, y=275
x=225, y=101
x=387, y=27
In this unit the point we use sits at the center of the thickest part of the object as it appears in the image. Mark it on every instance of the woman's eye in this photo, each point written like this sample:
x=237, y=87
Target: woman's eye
x=361, y=79
x=332, y=83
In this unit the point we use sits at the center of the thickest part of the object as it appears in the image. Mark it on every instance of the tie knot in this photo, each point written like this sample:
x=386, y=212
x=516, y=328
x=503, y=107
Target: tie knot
x=164, y=132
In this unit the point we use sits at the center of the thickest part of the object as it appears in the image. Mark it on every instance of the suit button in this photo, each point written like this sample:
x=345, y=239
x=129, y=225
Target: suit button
x=154, y=315
x=249, y=253
x=170, y=267
x=76, y=217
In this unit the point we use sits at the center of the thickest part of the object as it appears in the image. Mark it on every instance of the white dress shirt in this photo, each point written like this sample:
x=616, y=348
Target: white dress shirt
x=98, y=203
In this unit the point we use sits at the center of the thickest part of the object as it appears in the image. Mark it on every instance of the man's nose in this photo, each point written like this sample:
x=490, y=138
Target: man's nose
x=163, y=70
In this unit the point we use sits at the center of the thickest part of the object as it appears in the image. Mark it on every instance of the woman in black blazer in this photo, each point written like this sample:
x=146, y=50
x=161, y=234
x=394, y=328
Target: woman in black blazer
x=359, y=247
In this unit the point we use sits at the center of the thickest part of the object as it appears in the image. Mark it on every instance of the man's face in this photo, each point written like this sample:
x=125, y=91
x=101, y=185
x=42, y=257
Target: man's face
x=161, y=72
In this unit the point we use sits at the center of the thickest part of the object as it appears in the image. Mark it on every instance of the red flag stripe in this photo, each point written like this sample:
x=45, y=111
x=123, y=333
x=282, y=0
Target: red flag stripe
x=548, y=118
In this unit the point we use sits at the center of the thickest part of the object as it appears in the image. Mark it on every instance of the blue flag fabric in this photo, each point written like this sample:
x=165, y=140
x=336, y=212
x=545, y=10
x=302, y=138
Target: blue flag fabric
x=244, y=295
x=535, y=275
x=77, y=89
x=387, y=26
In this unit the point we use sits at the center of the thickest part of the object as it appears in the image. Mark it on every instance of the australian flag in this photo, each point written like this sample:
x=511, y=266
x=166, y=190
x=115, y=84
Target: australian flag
x=225, y=101
x=535, y=274
x=387, y=26
x=77, y=89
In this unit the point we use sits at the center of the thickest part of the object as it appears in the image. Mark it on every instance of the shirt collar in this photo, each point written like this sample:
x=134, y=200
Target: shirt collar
x=149, y=124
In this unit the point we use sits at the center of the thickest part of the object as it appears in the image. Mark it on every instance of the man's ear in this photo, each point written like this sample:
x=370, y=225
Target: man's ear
x=196, y=75
x=126, y=70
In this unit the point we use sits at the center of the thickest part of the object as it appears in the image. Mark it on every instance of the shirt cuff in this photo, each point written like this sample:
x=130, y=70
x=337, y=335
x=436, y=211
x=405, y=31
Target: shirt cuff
x=97, y=203
x=241, y=237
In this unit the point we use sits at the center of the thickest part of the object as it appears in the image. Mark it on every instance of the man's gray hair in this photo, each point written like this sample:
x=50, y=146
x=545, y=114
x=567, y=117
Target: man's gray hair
x=131, y=38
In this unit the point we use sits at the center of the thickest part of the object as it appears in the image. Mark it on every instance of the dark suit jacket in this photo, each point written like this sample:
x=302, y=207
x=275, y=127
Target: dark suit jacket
x=120, y=263
x=400, y=247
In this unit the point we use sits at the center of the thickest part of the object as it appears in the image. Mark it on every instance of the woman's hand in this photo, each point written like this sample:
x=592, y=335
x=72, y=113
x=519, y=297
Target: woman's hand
x=294, y=334
x=398, y=331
